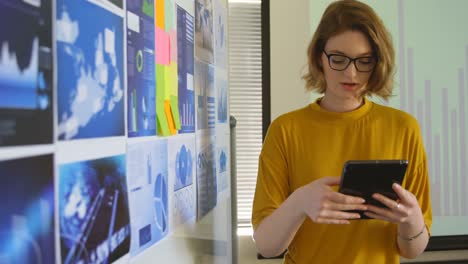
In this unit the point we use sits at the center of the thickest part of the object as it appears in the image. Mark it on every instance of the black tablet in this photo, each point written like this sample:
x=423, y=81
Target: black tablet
x=365, y=177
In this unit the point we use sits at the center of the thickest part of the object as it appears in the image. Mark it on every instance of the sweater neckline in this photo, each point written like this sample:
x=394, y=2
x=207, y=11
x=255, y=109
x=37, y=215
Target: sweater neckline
x=330, y=116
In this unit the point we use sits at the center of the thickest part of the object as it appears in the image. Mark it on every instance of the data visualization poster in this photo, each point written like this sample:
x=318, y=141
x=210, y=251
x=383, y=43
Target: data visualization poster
x=148, y=193
x=141, y=92
x=185, y=35
x=26, y=70
x=93, y=211
x=222, y=163
x=90, y=71
x=205, y=94
x=220, y=28
x=222, y=98
x=27, y=233
x=207, y=194
x=182, y=165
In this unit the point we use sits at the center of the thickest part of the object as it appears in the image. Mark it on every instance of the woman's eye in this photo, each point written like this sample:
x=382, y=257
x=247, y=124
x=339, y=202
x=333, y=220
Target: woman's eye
x=338, y=59
x=366, y=61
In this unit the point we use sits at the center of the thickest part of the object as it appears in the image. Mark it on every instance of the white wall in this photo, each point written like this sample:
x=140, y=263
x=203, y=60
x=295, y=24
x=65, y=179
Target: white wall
x=289, y=37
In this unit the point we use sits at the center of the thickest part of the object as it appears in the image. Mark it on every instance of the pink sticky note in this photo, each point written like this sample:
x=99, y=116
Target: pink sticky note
x=173, y=47
x=162, y=47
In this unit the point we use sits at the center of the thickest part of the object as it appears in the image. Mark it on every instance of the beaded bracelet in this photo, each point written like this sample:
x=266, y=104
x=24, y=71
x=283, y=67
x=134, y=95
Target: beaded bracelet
x=415, y=236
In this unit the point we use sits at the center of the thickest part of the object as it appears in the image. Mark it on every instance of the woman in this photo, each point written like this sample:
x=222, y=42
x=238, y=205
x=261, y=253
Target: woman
x=296, y=206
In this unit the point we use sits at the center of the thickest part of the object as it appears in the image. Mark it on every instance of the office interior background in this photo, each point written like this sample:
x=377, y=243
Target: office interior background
x=130, y=129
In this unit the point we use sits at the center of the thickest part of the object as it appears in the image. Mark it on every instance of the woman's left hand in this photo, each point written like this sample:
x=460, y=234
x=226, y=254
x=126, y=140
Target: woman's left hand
x=404, y=210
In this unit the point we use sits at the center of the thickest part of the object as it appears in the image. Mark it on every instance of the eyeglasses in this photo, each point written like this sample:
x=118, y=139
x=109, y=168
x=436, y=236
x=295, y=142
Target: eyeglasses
x=340, y=62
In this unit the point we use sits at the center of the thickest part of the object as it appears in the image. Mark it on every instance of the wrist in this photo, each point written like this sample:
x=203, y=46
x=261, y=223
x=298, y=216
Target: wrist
x=408, y=238
x=411, y=230
x=298, y=202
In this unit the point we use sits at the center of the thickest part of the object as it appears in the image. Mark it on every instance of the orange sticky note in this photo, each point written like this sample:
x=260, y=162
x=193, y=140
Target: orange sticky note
x=159, y=6
x=169, y=117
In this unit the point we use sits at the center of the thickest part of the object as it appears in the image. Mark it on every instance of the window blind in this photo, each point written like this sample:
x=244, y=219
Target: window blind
x=245, y=79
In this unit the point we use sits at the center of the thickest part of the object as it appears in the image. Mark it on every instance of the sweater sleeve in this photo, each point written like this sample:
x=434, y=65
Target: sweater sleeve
x=272, y=179
x=417, y=178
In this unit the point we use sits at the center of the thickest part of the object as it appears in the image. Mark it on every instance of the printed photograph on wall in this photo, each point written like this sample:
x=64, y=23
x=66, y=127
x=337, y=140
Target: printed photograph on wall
x=204, y=36
x=206, y=174
x=141, y=92
x=93, y=210
x=89, y=71
x=26, y=73
x=27, y=233
x=182, y=165
x=185, y=55
x=205, y=95
x=148, y=193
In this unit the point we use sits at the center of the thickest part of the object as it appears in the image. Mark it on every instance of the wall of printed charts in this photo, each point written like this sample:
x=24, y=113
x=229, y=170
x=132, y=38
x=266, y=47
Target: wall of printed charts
x=114, y=133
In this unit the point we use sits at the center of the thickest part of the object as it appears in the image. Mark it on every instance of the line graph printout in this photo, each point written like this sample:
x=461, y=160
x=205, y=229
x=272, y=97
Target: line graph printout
x=26, y=67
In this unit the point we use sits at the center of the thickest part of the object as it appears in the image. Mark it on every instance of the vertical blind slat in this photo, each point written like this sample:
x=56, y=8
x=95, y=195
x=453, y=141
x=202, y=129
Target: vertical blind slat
x=245, y=50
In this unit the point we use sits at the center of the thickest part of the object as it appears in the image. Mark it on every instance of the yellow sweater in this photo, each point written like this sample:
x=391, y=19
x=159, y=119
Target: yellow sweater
x=310, y=143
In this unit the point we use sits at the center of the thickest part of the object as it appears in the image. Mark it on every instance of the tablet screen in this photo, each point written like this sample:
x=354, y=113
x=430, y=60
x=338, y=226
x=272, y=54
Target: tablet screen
x=365, y=177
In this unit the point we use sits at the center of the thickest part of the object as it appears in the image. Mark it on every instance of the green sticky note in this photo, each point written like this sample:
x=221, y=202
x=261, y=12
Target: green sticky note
x=169, y=15
x=160, y=94
x=175, y=111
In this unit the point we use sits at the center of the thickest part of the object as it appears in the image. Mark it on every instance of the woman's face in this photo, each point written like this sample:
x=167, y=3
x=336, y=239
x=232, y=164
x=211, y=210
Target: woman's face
x=347, y=84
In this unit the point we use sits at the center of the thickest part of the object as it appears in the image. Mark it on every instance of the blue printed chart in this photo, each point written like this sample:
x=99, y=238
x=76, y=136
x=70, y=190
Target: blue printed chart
x=182, y=168
x=207, y=194
x=90, y=68
x=26, y=69
x=220, y=37
x=222, y=91
x=205, y=94
x=222, y=168
x=148, y=193
x=27, y=233
x=185, y=55
x=93, y=210
x=141, y=92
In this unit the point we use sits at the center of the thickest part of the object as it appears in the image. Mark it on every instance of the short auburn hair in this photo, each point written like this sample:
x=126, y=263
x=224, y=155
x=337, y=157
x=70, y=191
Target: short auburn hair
x=353, y=15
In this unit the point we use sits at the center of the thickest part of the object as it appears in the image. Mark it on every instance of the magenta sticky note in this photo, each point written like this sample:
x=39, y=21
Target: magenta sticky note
x=173, y=47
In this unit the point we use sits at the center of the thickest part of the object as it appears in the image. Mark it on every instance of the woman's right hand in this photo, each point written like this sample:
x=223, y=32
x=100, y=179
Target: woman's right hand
x=323, y=205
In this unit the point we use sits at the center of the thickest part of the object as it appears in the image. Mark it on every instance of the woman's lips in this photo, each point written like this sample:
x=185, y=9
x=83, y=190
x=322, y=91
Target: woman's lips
x=349, y=86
